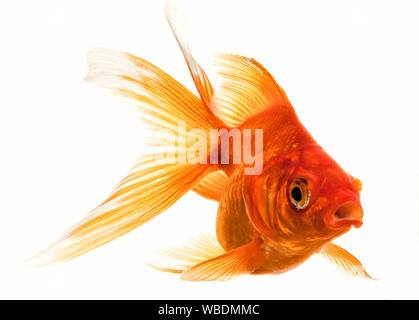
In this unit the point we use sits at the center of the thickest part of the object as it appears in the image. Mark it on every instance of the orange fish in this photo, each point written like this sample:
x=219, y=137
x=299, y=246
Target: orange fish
x=269, y=222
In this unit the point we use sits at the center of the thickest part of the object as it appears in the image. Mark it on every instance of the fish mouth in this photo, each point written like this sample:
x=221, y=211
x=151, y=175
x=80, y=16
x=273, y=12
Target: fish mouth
x=349, y=214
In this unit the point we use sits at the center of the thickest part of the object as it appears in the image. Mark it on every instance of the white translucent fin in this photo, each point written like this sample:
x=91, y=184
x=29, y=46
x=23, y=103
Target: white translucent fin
x=344, y=261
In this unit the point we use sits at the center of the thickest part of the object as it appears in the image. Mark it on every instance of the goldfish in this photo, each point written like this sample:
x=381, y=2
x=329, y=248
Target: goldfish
x=294, y=203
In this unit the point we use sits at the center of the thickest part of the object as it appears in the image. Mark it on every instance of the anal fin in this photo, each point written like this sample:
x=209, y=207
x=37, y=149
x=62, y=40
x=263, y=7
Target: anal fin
x=231, y=265
x=203, y=259
x=179, y=259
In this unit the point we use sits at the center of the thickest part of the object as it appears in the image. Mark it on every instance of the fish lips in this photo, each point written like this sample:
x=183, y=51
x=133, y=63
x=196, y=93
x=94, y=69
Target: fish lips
x=349, y=213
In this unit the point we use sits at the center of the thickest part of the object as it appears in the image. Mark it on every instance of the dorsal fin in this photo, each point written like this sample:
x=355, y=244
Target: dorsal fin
x=247, y=88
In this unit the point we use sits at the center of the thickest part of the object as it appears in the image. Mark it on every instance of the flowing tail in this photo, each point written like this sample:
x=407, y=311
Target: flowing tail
x=153, y=184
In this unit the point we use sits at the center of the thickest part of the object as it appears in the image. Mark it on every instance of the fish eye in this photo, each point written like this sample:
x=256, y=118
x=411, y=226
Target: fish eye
x=299, y=194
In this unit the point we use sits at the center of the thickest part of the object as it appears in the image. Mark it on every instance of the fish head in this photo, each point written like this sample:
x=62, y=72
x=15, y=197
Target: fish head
x=303, y=195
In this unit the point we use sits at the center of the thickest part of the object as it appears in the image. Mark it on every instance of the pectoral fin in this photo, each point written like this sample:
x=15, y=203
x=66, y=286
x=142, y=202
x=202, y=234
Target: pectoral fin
x=212, y=186
x=344, y=261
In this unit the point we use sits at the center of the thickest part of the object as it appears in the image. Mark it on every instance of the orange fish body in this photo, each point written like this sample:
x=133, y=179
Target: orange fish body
x=295, y=203
x=258, y=206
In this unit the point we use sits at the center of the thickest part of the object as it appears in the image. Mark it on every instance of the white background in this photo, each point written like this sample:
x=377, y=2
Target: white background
x=350, y=68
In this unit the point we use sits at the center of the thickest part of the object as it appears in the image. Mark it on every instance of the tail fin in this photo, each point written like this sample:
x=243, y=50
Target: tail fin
x=152, y=185
x=178, y=25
